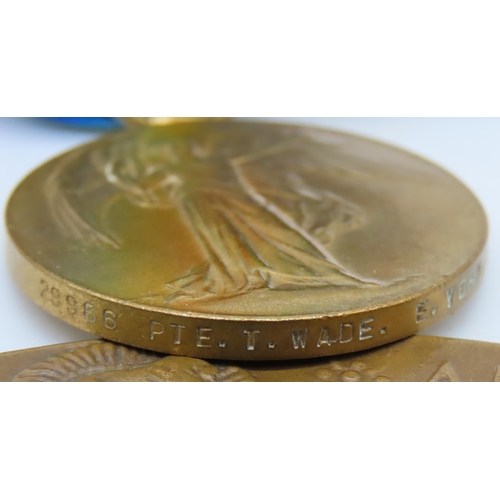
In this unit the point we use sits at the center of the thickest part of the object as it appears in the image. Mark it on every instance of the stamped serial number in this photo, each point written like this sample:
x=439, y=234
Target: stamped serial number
x=68, y=303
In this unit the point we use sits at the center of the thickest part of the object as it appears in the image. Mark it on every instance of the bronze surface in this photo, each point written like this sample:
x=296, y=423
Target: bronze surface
x=417, y=359
x=246, y=241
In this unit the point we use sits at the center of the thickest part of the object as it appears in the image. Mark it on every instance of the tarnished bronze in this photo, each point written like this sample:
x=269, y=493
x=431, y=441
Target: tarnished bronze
x=246, y=241
x=417, y=359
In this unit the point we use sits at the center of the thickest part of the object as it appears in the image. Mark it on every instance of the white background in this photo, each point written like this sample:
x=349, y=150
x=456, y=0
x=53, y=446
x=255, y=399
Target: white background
x=466, y=147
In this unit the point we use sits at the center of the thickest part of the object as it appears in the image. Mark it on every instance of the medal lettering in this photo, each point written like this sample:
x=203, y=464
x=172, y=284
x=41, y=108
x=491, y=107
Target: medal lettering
x=89, y=312
x=324, y=338
x=346, y=332
x=364, y=329
x=155, y=328
x=71, y=304
x=449, y=297
x=50, y=294
x=300, y=338
x=177, y=333
x=251, y=338
x=201, y=337
x=109, y=318
x=462, y=289
x=421, y=311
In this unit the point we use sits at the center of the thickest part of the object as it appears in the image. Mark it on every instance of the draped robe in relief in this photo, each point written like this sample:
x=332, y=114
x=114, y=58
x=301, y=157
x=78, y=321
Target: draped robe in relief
x=258, y=226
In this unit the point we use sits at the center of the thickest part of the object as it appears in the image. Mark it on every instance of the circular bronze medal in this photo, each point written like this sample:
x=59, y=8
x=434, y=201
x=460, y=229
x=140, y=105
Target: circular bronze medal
x=239, y=240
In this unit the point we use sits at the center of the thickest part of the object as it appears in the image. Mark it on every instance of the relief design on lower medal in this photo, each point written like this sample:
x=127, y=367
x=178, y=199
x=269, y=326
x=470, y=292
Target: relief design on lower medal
x=356, y=371
x=264, y=216
x=107, y=362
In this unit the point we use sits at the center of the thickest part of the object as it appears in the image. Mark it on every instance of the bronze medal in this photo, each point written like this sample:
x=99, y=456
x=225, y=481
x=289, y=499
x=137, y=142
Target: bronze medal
x=417, y=359
x=246, y=241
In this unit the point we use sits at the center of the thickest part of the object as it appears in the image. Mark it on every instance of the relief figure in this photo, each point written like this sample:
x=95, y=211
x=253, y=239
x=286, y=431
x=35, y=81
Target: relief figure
x=262, y=219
